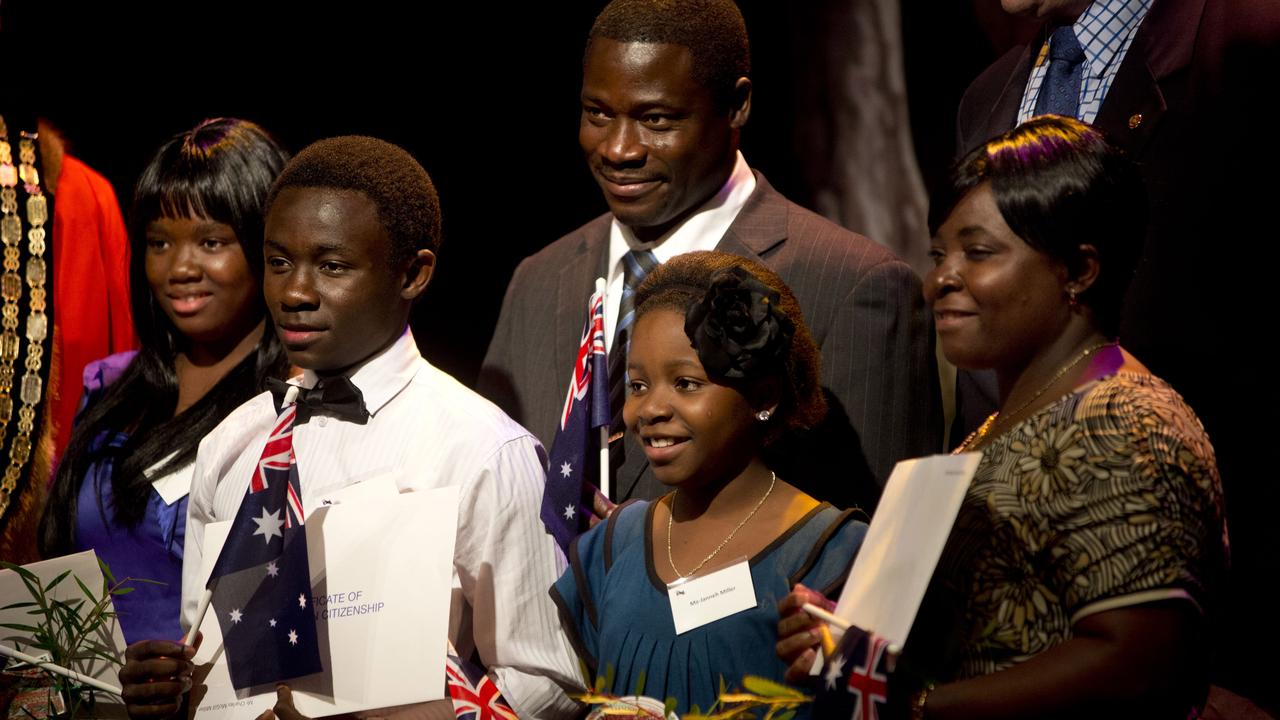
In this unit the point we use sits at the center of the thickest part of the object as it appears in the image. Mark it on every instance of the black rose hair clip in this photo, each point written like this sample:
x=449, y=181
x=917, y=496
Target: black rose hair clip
x=737, y=328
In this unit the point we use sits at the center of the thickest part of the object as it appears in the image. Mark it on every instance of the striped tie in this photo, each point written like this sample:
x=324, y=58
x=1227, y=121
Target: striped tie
x=636, y=264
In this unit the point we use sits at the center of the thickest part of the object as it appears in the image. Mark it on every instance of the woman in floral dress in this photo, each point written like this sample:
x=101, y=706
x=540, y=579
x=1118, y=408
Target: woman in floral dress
x=1091, y=541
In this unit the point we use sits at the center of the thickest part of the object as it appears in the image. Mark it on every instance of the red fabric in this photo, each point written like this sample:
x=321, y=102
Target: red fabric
x=91, y=317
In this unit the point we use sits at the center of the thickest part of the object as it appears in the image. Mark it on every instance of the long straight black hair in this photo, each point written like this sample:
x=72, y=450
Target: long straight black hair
x=221, y=170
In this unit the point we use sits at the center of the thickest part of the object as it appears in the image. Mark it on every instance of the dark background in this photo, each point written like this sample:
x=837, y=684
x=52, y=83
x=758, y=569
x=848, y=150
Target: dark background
x=486, y=97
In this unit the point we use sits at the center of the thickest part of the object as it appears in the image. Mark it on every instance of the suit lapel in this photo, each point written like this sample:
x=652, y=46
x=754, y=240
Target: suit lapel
x=760, y=227
x=1137, y=99
x=573, y=290
x=1004, y=111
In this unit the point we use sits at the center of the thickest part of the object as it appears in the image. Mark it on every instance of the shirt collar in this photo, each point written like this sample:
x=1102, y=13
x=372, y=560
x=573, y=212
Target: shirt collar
x=382, y=376
x=703, y=228
x=1103, y=28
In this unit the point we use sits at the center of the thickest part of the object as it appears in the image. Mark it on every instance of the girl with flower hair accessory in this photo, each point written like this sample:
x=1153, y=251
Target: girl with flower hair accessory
x=1091, y=544
x=721, y=367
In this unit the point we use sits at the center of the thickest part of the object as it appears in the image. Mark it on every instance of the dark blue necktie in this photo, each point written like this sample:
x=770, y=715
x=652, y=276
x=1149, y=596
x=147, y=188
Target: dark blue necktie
x=1060, y=91
x=636, y=264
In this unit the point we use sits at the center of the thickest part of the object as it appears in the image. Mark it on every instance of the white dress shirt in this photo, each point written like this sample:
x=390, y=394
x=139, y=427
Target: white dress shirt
x=700, y=231
x=426, y=431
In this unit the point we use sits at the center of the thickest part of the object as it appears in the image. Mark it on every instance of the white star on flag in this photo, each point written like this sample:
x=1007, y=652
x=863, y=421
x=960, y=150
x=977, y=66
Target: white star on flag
x=566, y=469
x=236, y=615
x=268, y=525
x=293, y=637
x=568, y=512
x=302, y=600
x=835, y=667
x=272, y=570
x=272, y=621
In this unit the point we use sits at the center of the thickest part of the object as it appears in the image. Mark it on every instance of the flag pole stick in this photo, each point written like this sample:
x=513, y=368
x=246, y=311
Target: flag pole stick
x=65, y=672
x=604, y=429
x=201, y=609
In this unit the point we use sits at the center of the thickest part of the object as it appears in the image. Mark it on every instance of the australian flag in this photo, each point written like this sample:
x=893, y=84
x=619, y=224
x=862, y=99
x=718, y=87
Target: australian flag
x=262, y=583
x=566, y=501
x=855, y=680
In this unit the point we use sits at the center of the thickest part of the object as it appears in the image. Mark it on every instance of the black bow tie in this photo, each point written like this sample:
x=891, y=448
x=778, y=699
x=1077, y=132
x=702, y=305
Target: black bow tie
x=337, y=397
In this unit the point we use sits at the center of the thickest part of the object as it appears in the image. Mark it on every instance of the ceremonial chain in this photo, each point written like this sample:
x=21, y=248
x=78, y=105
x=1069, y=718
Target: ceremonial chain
x=671, y=511
x=30, y=390
x=990, y=423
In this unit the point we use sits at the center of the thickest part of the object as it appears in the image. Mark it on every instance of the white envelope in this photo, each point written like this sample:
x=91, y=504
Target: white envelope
x=903, y=544
x=367, y=550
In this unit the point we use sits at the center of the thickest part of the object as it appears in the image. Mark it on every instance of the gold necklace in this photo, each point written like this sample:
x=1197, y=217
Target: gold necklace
x=773, y=480
x=990, y=423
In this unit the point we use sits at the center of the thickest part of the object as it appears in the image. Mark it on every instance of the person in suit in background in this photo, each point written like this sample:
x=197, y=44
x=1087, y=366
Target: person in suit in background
x=1176, y=84
x=665, y=95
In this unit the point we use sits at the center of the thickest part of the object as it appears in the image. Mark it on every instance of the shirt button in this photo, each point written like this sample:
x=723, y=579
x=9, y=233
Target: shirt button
x=322, y=421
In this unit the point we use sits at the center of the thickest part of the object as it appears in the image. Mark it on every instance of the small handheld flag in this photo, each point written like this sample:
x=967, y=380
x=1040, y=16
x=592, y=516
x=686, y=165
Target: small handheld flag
x=261, y=583
x=566, y=500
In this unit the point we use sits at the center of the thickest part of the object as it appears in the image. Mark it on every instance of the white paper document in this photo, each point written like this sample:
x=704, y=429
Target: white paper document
x=902, y=547
x=381, y=575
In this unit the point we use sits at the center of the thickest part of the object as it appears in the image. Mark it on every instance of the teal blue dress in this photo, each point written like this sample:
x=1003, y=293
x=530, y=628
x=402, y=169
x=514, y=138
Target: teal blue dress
x=615, y=609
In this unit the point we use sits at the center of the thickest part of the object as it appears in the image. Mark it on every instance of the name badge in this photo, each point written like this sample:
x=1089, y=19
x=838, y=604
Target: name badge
x=698, y=601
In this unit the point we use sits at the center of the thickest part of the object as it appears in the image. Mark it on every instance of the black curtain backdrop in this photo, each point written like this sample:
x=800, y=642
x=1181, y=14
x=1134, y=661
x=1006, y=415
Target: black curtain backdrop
x=485, y=96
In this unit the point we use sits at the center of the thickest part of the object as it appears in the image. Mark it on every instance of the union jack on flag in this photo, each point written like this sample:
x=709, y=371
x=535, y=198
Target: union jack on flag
x=473, y=692
x=855, y=679
x=279, y=461
x=574, y=457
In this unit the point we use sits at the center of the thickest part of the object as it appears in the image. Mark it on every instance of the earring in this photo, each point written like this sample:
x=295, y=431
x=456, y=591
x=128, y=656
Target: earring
x=1071, y=298
x=764, y=415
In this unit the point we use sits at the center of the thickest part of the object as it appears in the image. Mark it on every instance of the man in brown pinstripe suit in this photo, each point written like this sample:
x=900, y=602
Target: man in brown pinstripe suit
x=665, y=94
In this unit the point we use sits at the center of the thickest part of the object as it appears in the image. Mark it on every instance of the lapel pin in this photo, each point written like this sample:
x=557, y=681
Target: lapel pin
x=1135, y=120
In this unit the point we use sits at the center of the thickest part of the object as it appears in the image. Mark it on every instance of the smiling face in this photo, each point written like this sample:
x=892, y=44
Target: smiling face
x=200, y=279
x=330, y=284
x=996, y=300
x=654, y=137
x=694, y=432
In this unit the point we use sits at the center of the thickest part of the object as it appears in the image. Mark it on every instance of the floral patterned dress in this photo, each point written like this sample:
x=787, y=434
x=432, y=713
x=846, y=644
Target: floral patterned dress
x=1105, y=499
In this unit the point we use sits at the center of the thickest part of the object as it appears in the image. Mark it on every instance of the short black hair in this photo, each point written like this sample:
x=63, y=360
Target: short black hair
x=712, y=30
x=1058, y=185
x=386, y=174
x=683, y=280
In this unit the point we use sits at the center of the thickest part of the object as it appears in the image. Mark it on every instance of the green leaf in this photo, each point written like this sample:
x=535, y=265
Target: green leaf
x=106, y=571
x=669, y=706
x=122, y=591
x=15, y=606
x=84, y=588
x=599, y=685
x=640, y=682
x=769, y=688
x=785, y=715
x=54, y=583
x=23, y=628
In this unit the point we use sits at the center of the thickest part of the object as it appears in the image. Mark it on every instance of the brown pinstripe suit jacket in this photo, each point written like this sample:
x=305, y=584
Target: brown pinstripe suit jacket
x=862, y=304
